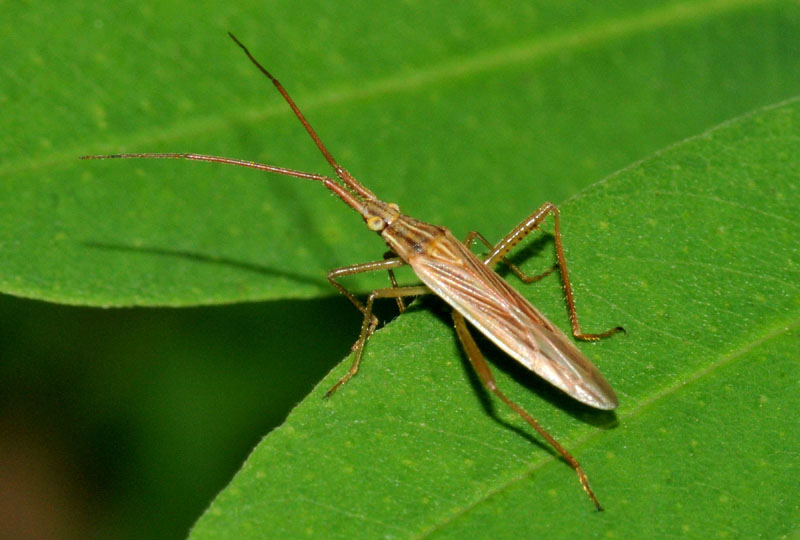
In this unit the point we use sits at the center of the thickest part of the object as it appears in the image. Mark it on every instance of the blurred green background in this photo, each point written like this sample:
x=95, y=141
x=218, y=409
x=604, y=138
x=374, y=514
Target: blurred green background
x=126, y=422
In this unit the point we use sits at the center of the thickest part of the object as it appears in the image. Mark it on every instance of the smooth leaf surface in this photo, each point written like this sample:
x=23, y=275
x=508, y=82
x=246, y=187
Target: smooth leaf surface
x=696, y=255
x=466, y=115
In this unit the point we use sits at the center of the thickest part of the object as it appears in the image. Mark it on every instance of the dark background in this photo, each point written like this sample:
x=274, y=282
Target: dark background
x=127, y=422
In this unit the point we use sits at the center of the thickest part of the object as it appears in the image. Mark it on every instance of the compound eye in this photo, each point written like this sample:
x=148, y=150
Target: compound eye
x=374, y=223
x=394, y=207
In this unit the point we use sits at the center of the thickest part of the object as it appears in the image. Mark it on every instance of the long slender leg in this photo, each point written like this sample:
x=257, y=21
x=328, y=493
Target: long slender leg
x=400, y=304
x=370, y=321
x=522, y=230
x=386, y=264
x=472, y=235
x=485, y=374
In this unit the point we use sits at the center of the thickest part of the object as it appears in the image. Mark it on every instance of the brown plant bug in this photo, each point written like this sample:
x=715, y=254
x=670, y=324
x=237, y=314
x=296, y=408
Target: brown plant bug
x=449, y=269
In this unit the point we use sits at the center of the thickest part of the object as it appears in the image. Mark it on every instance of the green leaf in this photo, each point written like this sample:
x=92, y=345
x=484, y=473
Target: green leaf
x=694, y=251
x=484, y=114
x=467, y=114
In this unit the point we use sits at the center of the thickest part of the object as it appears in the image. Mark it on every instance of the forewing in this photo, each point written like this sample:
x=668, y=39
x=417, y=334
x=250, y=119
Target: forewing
x=490, y=304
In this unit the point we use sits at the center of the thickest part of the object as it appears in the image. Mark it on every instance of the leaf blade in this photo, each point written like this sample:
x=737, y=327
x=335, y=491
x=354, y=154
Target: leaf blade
x=397, y=453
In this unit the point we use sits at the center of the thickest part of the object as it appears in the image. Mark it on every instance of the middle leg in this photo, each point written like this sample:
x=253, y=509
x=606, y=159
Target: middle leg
x=517, y=234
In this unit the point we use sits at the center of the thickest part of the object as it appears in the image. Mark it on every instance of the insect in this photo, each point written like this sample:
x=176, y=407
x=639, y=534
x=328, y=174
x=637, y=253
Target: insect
x=449, y=269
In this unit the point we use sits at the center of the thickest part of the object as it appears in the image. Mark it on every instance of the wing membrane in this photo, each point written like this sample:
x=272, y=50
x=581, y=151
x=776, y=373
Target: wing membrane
x=490, y=304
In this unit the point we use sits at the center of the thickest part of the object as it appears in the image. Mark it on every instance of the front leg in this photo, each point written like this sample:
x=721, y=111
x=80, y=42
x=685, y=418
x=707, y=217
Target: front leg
x=375, y=266
x=370, y=322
